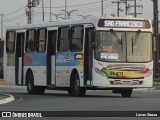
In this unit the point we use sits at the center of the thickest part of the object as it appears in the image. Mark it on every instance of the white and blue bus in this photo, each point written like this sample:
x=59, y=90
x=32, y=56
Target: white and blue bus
x=78, y=55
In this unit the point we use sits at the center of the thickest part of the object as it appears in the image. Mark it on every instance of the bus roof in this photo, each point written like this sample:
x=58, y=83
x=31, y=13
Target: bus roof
x=69, y=22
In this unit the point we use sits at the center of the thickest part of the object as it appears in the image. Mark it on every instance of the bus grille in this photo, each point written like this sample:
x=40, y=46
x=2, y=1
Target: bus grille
x=126, y=82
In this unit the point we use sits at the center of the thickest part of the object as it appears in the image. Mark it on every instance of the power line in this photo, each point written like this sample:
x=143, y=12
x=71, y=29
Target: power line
x=15, y=18
x=15, y=11
x=87, y=7
x=90, y=8
x=75, y=5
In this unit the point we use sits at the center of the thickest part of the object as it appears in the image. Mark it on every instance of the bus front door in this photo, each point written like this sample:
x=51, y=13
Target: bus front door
x=51, y=52
x=19, y=58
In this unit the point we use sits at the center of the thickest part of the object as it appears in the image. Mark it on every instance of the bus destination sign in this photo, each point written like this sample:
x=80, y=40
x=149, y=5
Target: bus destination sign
x=123, y=23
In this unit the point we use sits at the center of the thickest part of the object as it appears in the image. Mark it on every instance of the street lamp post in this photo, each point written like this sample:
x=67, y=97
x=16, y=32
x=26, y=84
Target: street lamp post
x=68, y=13
x=56, y=15
x=84, y=17
x=1, y=25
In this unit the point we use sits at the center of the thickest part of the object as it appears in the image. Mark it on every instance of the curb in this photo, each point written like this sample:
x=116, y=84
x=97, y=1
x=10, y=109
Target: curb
x=7, y=100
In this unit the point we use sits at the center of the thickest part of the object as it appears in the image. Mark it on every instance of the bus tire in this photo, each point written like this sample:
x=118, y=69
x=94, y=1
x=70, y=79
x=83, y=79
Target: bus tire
x=30, y=85
x=69, y=92
x=40, y=90
x=126, y=92
x=76, y=90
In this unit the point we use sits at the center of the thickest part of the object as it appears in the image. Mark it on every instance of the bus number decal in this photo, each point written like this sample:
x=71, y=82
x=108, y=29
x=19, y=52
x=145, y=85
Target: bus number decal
x=112, y=73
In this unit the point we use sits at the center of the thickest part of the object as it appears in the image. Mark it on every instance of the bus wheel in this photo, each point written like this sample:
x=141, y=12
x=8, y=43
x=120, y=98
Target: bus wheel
x=40, y=90
x=126, y=92
x=76, y=90
x=30, y=84
x=69, y=92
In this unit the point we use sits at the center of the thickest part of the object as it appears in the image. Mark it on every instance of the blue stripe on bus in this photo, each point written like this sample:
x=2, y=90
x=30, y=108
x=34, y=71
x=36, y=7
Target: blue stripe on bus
x=66, y=59
x=35, y=59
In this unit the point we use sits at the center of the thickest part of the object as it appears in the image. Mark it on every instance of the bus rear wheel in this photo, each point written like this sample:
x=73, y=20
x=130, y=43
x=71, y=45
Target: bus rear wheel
x=75, y=89
x=30, y=85
x=126, y=92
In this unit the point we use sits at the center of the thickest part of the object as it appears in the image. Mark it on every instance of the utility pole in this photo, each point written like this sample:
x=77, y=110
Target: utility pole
x=118, y=8
x=65, y=10
x=43, y=10
x=102, y=8
x=126, y=8
x=29, y=12
x=50, y=10
x=125, y=2
x=31, y=4
x=135, y=11
x=135, y=8
x=1, y=26
x=155, y=23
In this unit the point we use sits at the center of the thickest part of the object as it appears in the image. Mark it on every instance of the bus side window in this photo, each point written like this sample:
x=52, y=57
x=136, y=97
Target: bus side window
x=63, y=39
x=30, y=41
x=41, y=40
x=10, y=46
x=77, y=38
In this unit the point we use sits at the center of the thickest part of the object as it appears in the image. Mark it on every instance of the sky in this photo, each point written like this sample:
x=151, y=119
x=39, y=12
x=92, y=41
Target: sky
x=15, y=10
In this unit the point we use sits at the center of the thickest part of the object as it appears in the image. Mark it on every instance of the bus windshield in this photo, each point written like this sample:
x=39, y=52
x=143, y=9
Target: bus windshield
x=123, y=46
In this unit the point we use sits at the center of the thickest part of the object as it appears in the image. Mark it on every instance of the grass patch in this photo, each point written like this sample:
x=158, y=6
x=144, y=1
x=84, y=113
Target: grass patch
x=3, y=96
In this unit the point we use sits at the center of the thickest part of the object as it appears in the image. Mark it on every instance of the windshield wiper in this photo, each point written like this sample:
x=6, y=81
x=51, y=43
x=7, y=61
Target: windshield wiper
x=136, y=37
x=134, y=41
x=119, y=40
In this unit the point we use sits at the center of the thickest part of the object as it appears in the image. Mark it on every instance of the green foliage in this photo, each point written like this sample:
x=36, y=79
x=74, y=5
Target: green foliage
x=3, y=96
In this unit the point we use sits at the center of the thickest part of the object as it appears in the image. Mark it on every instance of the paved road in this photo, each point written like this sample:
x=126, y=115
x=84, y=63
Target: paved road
x=94, y=100
x=141, y=100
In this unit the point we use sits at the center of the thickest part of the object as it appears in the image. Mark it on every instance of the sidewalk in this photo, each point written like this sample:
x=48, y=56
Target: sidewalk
x=4, y=82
